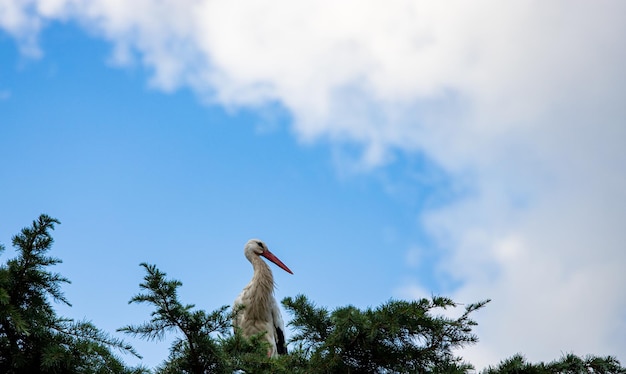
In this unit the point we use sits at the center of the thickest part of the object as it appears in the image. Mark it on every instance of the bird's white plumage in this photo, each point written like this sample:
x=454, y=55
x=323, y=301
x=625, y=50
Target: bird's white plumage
x=260, y=311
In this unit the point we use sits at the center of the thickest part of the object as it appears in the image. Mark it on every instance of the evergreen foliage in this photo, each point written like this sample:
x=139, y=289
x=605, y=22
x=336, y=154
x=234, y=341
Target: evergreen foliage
x=196, y=351
x=204, y=343
x=33, y=339
x=397, y=337
x=568, y=364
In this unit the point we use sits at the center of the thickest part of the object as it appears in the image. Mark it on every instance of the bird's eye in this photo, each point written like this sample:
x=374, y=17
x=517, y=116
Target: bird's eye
x=260, y=244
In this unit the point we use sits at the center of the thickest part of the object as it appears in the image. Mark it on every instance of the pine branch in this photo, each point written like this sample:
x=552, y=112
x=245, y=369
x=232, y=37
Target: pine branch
x=85, y=330
x=32, y=337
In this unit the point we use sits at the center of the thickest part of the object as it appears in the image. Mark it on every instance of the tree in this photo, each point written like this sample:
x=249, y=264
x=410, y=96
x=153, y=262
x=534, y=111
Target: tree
x=205, y=343
x=33, y=339
x=197, y=351
x=397, y=337
x=568, y=364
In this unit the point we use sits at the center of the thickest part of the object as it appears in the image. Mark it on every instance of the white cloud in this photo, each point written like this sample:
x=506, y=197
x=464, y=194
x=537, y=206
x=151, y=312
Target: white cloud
x=553, y=271
x=522, y=102
x=16, y=19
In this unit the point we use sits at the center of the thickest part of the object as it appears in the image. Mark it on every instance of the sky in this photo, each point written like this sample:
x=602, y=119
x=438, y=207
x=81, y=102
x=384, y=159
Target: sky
x=382, y=150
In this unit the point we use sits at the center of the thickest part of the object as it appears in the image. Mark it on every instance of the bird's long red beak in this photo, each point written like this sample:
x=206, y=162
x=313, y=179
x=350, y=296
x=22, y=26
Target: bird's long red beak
x=270, y=256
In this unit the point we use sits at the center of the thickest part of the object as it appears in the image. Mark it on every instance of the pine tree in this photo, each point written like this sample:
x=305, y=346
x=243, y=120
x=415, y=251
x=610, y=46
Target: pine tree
x=397, y=337
x=205, y=342
x=568, y=364
x=33, y=339
x=196, y=351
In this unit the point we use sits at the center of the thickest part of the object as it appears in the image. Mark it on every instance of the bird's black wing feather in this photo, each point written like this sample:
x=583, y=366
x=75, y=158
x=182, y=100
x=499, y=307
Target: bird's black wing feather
x=280, y=342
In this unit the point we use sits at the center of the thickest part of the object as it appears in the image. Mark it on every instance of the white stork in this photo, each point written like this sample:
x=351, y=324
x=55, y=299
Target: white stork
x=260, y=312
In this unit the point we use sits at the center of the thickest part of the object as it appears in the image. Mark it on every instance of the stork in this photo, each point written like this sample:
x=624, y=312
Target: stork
x=260, y=312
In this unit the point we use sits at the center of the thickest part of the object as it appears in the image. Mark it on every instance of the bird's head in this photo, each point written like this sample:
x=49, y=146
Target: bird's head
x=255, y=247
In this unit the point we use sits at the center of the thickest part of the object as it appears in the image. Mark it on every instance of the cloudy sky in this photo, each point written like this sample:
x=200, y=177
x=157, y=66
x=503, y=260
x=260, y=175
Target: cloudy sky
x=380, y=148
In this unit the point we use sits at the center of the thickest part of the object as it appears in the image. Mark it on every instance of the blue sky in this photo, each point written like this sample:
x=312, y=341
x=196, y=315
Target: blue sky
x=136, y=175
x=400, y=151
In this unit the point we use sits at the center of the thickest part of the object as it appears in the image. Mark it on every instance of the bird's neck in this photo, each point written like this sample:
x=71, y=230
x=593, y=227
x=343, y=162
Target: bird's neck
x=262, y=278
x=260, y=290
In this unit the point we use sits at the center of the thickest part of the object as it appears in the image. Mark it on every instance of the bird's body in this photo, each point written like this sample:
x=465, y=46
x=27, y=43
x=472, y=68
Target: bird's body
x=261, y=312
